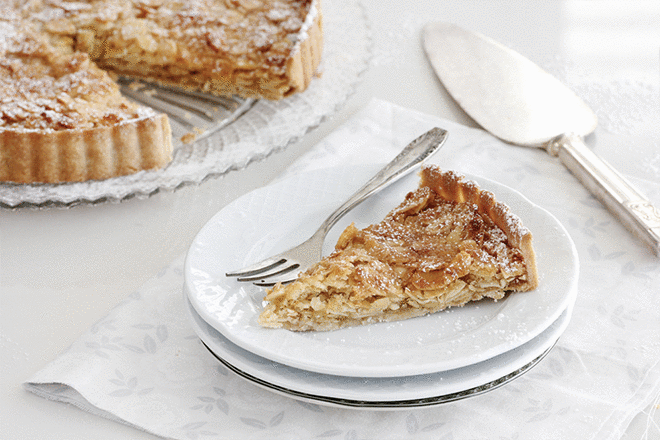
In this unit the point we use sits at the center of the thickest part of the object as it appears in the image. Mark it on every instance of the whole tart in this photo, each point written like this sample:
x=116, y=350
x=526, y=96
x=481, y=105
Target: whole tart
x=448, y=243
x=62, y=117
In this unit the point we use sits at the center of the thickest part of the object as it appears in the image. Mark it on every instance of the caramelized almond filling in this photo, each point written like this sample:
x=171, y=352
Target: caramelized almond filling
x=219, y=46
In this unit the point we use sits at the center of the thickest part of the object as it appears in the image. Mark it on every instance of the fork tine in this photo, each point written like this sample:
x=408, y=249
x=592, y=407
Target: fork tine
x=257, y=268
x=281, y=279
x=262, y=276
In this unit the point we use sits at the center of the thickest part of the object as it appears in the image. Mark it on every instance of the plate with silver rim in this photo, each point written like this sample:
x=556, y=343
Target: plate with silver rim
x=274, y=218
x=379, y=393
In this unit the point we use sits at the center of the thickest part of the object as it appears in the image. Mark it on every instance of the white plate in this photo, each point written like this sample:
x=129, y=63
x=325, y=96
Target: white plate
x=274, y=218
x=266, y=127
x=380, y=393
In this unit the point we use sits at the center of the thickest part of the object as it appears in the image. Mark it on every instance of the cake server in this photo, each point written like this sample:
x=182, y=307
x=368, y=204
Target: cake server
x=518, y=102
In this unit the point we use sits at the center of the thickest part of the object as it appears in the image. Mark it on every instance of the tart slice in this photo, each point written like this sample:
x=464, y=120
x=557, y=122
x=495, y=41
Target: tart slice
x=447, y=244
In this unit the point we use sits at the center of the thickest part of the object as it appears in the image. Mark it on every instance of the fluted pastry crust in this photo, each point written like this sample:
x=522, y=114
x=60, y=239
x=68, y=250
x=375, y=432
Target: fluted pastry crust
x=89, y=154
x=447, y=244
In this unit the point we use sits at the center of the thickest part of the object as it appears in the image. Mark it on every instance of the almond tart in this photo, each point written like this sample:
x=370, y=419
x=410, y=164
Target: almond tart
x=448, y=243
x=62, y=117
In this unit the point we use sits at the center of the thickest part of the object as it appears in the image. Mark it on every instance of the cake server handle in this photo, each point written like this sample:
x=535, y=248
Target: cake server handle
x=630, y=206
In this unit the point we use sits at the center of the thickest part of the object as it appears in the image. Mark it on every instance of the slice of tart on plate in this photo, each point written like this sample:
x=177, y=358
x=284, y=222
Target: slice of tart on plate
x=448, y=243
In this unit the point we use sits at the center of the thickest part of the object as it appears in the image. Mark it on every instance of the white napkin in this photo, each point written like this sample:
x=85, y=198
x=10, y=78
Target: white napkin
x=143, y=365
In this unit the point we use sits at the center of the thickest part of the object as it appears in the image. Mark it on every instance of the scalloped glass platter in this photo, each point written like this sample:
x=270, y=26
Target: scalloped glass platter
x=380, y=393
x=251, y=130
x=245, y=232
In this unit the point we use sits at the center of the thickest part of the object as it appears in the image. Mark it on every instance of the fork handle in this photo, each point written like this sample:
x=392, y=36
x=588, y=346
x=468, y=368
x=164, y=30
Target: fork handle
x=413, y=154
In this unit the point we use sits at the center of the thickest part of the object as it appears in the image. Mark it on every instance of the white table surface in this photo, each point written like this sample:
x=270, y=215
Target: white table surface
x=63, y=269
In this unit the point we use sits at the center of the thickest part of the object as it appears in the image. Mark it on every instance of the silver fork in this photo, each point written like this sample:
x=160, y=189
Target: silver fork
x=281, y=267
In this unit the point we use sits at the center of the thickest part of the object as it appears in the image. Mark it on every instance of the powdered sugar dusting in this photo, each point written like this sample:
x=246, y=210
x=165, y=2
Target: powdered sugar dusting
x=47, y=91
x=309, y=22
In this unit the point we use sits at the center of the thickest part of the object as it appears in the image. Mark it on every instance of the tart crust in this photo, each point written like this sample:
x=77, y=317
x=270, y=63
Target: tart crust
x=90, y=154
x=447, y=244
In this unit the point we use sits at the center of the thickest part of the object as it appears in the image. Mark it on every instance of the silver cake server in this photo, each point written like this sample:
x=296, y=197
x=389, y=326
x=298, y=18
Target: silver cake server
x=518, y=102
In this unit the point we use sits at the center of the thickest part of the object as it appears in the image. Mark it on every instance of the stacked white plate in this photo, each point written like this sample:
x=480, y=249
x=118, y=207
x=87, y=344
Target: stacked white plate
x=425, y=361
